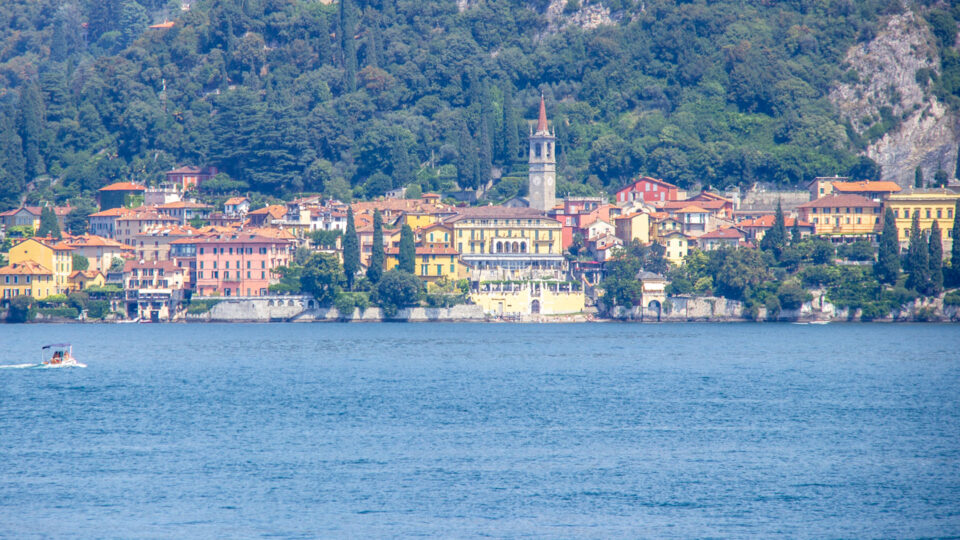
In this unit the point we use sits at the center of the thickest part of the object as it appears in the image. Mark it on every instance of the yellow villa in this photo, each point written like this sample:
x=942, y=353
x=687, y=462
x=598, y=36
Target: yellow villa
x=431, y=263
x=677, y=246
x=56, y=257
x=841, y=216
x=933, y=204
x=26, y=279
x=508, y=243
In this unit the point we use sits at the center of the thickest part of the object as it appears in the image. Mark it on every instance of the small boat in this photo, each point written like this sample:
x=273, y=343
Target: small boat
x=60, y=355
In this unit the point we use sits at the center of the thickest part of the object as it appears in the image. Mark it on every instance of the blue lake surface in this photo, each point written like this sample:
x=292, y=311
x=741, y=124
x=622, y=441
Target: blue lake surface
x=464, y=430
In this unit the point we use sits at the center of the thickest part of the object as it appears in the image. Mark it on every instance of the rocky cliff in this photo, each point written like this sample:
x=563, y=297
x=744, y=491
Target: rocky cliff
x=883, y=73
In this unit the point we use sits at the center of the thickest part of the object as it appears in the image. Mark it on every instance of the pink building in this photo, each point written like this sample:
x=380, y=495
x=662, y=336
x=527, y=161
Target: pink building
x=648, y=190
x=239, y=264
x=190, y=177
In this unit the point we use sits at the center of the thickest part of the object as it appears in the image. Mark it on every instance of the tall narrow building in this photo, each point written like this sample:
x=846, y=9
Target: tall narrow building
x=543, y=164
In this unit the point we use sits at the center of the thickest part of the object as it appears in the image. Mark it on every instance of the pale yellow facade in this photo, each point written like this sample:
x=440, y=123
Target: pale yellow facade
x=533, y=235
x=633, y=227
x=30, y=279
x=58, y=258
x=677, y=247
x=931, y=205
x=432, y=264
x=530, y=298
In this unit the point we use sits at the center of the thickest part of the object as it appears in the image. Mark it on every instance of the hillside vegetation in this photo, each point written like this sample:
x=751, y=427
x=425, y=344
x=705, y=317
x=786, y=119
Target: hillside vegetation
x=355, y=98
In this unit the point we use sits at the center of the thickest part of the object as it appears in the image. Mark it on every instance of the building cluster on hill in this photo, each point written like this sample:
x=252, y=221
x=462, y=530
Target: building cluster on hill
x=538, y=254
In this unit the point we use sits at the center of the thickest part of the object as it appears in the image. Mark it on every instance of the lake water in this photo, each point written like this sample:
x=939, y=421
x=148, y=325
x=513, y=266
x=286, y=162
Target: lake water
x=463, y=430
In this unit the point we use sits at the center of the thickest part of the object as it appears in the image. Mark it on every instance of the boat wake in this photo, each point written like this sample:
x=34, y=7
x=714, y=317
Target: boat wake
x=42, y=366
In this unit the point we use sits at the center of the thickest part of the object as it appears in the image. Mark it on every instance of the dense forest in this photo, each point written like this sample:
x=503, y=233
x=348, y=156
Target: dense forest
x=357, y=97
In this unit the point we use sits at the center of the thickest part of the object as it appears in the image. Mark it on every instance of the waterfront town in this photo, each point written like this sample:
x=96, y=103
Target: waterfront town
x=165, y=252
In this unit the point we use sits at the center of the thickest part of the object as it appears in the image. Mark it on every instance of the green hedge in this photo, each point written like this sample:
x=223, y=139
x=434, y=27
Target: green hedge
x=65, y=312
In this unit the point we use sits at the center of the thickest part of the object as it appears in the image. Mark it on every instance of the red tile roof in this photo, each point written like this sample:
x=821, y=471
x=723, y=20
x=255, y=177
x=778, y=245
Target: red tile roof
x=766, y=222
x=124, y=186
x=866, y=187
x=833, y=201
x=724, y=234
x=235, y=200
x=26, y=268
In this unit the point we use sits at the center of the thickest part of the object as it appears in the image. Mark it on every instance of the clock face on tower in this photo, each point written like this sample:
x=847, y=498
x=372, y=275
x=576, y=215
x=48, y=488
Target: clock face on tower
x=549, y=181
x=535, y=180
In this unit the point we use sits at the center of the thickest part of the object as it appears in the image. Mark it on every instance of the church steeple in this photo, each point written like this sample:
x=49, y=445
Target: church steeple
x=542, y=121
x=543, y=164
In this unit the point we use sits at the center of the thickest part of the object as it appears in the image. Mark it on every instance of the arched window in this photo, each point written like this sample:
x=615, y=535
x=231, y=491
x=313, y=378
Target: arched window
x=499, y=247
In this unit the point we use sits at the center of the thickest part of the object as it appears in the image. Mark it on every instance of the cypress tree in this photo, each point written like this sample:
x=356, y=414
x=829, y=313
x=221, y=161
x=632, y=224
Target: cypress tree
x=48, y=223
x=466, y=159
x=935, y=256
x=918, y=263
x=12, y=164
x=956, y=171
x=510, y=135
x=408, y=251
x=955, y=248
x=31, y=128
x=375, y=270
x=795, y=235
x=888, y=257
x=776, y=237
x=348, y=47
x=351, y=250
x=918, y=178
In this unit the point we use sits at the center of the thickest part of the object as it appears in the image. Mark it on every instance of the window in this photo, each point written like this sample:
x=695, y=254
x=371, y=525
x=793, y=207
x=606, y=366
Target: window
x=263, y=275
x=263, y=264
x=248, y=276
x=200, y=275
x=214, y=264
x=949, y=213
x=896, y=214
x=939, y=213
x=423, y=270
x=928, y=213
x=439, y=269
x=248, y=264
x=216, y=275
x=201, y=264
x=451, y=268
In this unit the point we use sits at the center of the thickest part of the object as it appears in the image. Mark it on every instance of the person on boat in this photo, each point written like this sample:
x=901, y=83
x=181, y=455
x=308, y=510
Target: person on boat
x=57, y=358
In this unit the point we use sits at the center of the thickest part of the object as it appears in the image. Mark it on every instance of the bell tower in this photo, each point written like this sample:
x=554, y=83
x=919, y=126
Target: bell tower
x=543, y=164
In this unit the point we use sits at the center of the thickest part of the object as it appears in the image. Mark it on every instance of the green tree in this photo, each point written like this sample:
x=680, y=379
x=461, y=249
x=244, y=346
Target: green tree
x=887, y=267
x=918, y=262
x=511, y=136
x=351, y=250
x=935, y=257
x=620, y=285
x=78, y=220
x=776, y=238
x=407, y=256
x=133, y=21
x=940, y=179
x=918, y=178
x=22, y=309
x=80, y=262
x=377, y=256
x=116, y=264
x=323, y=277
x=398, y=289
x=955, y=248
x=49, y=226
x=795, y=235
x=31, y=128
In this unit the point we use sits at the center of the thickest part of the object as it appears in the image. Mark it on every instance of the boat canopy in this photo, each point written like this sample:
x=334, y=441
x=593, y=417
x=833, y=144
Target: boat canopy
x=55, y=345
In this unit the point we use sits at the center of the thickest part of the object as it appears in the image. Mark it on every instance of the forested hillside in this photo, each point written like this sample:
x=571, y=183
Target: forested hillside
x=355, y=98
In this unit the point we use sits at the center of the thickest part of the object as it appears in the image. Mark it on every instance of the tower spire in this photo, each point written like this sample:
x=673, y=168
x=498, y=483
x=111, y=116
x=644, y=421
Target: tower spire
x=542, y=121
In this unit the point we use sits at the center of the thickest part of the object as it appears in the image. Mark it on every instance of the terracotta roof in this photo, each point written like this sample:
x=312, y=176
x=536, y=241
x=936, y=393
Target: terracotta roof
x=162, y=26
x=235, y=200
x=866, y=186
x=504, y=212
x=677, y=205
x=648, y=179
x=766, y=222
x=238, y=237
x=140, y=215
x=113, y=212
x=124, y=186
x=35, y=210
x=275, y=211
x=184, y=204
x=91, y=240
x=25, y=268
x=723, y=234
x=692, y=209
x=833, y=201
x=141, y=264
x=89, y=274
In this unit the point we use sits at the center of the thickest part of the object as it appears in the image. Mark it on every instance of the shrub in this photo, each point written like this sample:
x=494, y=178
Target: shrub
x=873, y=310
x=64, y=312
x=98, y=309
x=22, y=309
x=792, y=296
x=197, y=307
x=952, y=299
